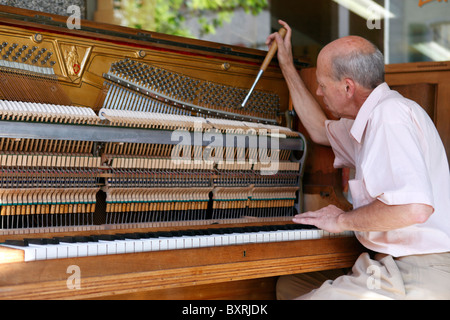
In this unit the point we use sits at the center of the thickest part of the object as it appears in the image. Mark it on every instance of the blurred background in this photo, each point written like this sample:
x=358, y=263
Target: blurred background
x=405, y=30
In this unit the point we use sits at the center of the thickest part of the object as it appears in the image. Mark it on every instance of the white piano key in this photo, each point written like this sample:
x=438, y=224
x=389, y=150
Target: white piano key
x=239, y=238
x=111, y=246
x=62, y=251
x=218, y=240
x=163, y=244
x=129, y=246
x=71, y=249
x=101, y=249
x=278, y=236
x=188, y=242
x=292, y=235
x=226, y=240
x=179, y=243
x=92, y=249
x=146, y=245
x=30, y=254
x=195, y=242
x=120, y=246
x=82, y=250
x=40, y=251
x=171, y=244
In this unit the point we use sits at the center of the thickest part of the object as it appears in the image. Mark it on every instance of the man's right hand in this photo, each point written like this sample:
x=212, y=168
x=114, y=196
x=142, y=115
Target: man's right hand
x=285, y=56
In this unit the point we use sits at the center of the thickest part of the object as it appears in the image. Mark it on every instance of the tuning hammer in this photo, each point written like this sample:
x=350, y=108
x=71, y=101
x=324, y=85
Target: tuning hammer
x=272, y=51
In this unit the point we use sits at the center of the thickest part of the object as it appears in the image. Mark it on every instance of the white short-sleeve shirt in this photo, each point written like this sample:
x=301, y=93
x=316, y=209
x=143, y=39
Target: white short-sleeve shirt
x=399, y=159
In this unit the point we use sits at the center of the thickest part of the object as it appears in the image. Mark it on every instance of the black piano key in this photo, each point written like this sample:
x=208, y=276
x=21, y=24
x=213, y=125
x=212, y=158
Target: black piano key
x=42, y=241
x=17, y=243
x=84, y=239
x=177, y=234
x=164, y=234
x=143, y=235
x=219, y=231
x=151, y=235
x=66, y=239
x=188, y=233
x=108, y=237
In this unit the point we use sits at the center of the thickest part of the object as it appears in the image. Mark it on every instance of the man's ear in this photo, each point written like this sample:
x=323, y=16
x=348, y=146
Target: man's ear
x=350, y=87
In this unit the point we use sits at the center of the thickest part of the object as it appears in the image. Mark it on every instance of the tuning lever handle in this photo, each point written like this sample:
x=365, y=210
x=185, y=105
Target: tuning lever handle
x=273, y=50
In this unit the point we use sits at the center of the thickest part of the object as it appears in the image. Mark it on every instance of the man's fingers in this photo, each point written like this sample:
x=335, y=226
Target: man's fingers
x=305, y=218
x=310, y=214
x=287, y=27
x=274, y=37
x=270, y=39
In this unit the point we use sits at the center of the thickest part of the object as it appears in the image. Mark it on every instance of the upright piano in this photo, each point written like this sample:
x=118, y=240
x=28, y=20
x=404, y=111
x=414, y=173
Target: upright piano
x=129, y=169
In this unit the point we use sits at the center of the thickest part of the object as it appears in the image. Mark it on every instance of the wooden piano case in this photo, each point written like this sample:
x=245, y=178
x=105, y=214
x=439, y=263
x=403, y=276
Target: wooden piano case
x=233, y=272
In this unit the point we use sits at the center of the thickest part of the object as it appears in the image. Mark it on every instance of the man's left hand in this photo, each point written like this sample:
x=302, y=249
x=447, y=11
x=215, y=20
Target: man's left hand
x=326, y=219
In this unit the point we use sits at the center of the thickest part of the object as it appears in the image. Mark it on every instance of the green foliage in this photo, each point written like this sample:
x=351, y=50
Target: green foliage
x=169, y=16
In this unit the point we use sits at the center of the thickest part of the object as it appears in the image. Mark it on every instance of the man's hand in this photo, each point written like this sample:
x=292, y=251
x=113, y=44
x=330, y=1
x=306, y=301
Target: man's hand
x=307, y=108
x=285, y=56
x=376, y=216
x=325, y=219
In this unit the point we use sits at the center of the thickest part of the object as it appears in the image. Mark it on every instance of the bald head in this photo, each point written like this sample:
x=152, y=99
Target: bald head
x=356, y=58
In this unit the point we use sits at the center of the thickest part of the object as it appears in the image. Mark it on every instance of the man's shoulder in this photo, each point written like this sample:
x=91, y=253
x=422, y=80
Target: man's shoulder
x=394, y=108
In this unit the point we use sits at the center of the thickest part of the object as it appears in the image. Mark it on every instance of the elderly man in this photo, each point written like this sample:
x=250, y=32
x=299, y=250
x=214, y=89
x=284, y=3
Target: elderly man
x=401, y=192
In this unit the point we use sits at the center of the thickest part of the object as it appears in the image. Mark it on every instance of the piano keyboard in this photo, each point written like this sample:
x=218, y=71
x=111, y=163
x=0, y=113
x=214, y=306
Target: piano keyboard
x=99, y=245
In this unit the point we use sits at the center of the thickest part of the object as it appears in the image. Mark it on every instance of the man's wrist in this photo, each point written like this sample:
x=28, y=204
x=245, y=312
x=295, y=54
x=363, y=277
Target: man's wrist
x=342, y=222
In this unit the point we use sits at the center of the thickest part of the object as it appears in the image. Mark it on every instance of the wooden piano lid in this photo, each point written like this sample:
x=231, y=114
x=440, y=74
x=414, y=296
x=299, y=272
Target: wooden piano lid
x=24, y=17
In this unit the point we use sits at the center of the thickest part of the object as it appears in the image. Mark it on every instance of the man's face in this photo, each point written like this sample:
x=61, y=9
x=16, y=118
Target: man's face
x=333, y=91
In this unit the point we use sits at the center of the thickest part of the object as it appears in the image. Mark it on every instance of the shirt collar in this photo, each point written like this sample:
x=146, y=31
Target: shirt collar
x=364, y=113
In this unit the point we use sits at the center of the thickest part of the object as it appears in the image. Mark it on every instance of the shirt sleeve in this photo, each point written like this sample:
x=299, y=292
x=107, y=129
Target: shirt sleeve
x=342, y=142
x=394, y=168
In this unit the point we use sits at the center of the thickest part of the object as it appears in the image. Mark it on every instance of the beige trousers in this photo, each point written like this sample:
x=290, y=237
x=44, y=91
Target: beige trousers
x=417, y=277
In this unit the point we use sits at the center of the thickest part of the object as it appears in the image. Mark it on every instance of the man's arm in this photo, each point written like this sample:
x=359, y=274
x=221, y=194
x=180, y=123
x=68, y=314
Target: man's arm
x=309, y=111
x=376, y=216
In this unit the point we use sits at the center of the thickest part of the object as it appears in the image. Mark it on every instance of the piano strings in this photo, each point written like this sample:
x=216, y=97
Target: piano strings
x=60, y=183
x=136, y=86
